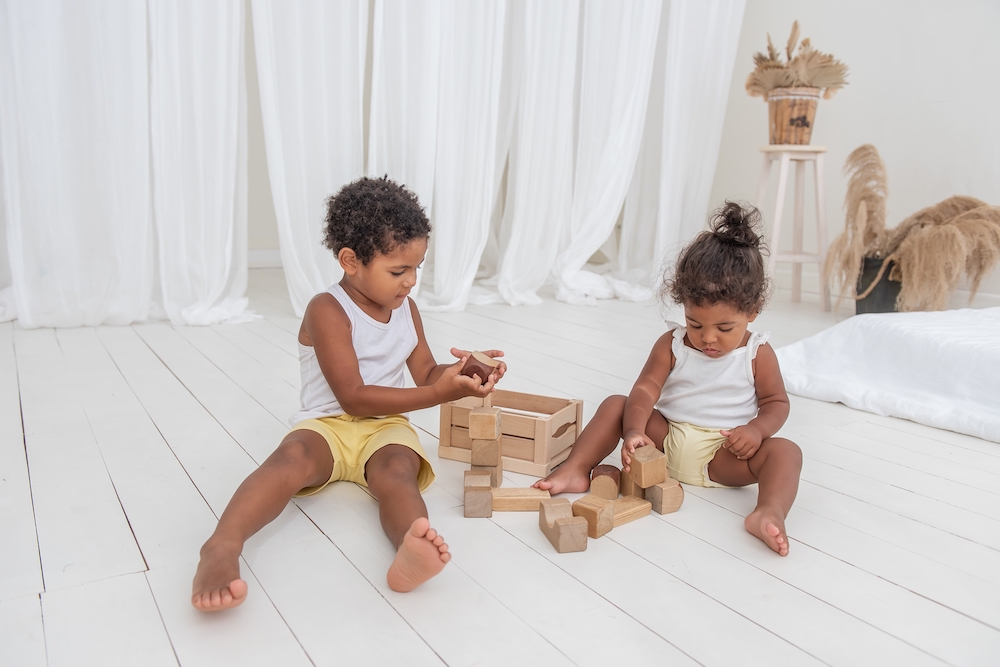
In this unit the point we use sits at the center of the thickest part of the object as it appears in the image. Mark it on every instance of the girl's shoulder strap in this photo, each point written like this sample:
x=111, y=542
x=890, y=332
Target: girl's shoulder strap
x=757, y=338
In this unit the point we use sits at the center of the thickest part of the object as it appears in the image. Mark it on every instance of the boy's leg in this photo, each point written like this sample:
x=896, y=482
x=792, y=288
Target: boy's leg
x=775, y=467
x=302, y=459
x=598, y=439
x=421, y=552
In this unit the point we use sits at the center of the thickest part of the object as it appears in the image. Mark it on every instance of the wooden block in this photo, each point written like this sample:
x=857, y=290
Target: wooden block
x=649, y=466
x=481, y=365
x=518, y=500
x=495, y=473
x=478, y=497
x=484, y=423
x=666, y=497
x=630, y=508
x=599, y=513
x=604, y=482
x=629, y=487
x=566, y=532
x=486, y=452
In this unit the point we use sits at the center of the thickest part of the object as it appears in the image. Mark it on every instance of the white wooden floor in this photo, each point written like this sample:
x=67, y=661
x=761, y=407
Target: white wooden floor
x=119, y=447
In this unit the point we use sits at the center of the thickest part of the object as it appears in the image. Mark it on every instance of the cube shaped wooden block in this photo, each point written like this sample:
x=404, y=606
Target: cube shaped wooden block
x=649, y=466
x=486, y=452
x=666, y=497
x=599, y=513
x=478, y=496
x=495, y=473
x=567, y=533
x=628, y=487
x=484, y=423
x=605, y=481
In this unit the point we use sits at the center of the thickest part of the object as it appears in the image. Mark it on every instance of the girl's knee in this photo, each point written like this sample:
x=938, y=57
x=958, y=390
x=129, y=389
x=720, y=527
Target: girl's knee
x=614, y=402
x=785, y=449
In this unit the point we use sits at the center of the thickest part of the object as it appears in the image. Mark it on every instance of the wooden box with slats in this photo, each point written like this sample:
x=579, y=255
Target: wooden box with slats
x=537, y=432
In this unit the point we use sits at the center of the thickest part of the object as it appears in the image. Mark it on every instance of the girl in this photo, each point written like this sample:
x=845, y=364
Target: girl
x=710, y=395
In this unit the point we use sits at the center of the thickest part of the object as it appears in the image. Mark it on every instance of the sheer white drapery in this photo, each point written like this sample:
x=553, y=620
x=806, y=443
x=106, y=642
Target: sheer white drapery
x=311, y=68
x=119, y=209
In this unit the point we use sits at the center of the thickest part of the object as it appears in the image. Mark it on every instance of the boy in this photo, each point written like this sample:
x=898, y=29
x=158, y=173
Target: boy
x=353, y=343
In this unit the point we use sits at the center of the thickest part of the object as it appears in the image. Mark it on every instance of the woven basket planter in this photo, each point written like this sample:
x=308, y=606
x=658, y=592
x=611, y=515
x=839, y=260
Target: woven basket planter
x=790, y=114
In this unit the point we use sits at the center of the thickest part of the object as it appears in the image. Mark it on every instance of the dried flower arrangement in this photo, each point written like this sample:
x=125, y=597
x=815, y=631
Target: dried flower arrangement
x=928, y=252
x=808, y=68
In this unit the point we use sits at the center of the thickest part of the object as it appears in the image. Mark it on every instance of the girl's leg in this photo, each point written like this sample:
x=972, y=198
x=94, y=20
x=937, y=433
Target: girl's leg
x=302, y=459
x=421, y=552
x=598, y=439
x=775, y=467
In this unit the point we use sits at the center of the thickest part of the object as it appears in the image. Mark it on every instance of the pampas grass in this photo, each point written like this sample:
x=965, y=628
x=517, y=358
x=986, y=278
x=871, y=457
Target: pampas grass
x=931, y=250
x=808, y=68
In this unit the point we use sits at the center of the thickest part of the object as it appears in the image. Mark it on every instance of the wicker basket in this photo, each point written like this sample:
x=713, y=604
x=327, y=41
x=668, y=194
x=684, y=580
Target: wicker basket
x=790, y=114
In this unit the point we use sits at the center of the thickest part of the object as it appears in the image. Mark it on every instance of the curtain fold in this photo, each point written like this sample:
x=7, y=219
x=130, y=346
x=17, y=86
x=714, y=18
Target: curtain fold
x=311, y=68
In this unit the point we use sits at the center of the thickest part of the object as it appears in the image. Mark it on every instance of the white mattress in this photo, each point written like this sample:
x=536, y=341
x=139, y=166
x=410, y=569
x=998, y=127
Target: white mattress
x=941, y=369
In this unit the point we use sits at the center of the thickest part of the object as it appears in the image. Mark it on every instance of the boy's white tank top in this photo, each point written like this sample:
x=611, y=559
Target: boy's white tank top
x=382, y=350
x=712, y=392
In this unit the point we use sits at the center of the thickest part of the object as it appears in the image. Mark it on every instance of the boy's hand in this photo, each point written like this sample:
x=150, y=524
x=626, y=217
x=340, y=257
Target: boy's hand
x=632, y=441
x=743, y=441
x=452, y=385
x=492, y=354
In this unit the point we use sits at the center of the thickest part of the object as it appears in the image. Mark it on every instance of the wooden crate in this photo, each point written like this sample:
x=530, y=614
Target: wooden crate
x=537, y=432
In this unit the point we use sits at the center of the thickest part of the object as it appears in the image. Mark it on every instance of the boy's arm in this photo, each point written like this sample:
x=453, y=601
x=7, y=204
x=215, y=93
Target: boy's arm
x=772, y=407
x=327, y=328
x=644, y=395
x=425, y=370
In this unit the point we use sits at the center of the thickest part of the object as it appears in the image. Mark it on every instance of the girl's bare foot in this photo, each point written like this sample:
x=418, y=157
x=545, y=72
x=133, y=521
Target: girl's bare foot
x=768, y=527
x=217, y=583
x=565, y=480
x=422, y=555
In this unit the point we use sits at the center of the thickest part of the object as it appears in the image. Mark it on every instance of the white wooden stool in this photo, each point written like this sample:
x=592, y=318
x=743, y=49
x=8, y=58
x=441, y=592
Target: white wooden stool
x=786, y=154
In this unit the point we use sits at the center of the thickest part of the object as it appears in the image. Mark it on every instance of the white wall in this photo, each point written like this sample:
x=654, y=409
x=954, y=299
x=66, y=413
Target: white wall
x=922, y=88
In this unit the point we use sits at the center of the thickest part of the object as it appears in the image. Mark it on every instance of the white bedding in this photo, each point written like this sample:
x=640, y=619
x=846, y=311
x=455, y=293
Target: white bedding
x=941, y=369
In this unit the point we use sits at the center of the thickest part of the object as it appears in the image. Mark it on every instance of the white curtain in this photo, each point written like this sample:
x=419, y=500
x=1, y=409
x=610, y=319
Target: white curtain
x=311, y=67
x=118, y=209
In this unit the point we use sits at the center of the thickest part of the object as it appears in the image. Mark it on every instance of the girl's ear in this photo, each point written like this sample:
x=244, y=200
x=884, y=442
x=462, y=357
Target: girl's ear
x=348, y=261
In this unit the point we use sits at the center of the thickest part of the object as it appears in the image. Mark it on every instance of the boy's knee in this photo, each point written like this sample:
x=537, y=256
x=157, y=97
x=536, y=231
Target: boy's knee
x=395, y=462
x=302, y=454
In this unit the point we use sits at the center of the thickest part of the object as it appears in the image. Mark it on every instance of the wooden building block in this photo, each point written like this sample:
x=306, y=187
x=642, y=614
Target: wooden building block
x=495, y=473
x=566, y=532
x=604, y=482
x=649, y=466
x=478, y=497
x=666, y=497
x=630, y=508
x=481, y=365
x=484, y=423
x=629, y=487
x=486, y=452
x=518, y=500
x=599, y=513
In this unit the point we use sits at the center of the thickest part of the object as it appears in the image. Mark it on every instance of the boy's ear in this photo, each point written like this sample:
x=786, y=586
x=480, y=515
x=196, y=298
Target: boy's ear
x=348, y=261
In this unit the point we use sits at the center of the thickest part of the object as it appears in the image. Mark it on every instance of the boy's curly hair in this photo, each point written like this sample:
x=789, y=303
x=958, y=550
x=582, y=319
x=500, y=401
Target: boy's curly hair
x=722, y=265
x=373, y=216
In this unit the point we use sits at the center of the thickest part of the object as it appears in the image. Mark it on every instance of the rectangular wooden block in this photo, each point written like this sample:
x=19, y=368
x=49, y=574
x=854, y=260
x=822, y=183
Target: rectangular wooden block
x=567, y=533
x=604, y=482
x=518, y=500
x=649, y=466
x=599, y=513
x=484, y=423
x=630, y=508
x=478, y=498
x=495, y=473
x=628, y=487
x=666, y=497
x=486, y=452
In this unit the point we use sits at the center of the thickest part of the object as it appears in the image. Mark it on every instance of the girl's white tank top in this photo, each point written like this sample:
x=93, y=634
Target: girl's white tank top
x=712, y=392
x=382, y=350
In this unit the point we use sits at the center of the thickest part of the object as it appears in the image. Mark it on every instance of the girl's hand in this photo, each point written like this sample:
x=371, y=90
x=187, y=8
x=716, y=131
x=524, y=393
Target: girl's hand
x=492, y=354
x=742, y=441
x=632, y=441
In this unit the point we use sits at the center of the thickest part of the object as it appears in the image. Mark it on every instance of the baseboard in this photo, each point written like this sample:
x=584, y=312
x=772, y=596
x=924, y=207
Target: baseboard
x=264, y=259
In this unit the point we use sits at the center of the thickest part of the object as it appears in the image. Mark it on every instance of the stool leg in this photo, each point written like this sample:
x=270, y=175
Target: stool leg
x=824, y=289
x=778, y=210
x=797, y=223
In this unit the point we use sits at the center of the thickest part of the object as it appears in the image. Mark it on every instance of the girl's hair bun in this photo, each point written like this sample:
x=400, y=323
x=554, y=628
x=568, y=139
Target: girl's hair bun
x=737, y=224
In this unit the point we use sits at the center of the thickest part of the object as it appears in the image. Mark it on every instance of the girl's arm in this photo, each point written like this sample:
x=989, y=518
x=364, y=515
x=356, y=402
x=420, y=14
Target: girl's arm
x=326, y=327
x=772, y=407
x=644, y=395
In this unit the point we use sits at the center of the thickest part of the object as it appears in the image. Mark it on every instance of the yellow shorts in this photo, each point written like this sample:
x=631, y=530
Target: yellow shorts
x=689, y=450
x=353, y=440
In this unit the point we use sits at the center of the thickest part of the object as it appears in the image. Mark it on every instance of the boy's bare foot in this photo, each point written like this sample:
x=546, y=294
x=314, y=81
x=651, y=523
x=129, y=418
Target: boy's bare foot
x=217, y=583
x=565, y=480
x=422, y=555
x=768, y=527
